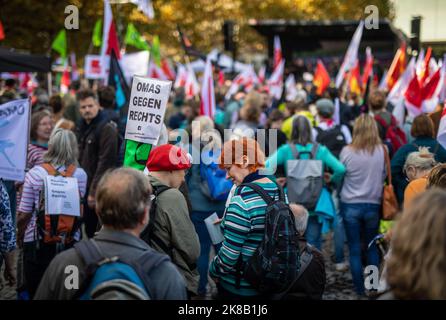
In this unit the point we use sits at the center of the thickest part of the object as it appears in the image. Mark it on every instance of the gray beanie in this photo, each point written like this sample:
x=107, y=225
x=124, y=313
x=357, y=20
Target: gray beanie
x=325, y=107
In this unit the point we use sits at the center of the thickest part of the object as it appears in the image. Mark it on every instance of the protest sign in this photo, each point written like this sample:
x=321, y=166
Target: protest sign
x=147, y=106
x=93, y=67
x=14, y=133
x=62, y=196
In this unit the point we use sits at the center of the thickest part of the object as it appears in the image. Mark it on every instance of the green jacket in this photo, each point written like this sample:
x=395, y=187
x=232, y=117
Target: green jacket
x=174, y=227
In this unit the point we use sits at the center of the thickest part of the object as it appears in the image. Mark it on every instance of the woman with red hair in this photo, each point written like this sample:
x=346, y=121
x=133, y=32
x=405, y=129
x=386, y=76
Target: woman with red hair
x=244, y=219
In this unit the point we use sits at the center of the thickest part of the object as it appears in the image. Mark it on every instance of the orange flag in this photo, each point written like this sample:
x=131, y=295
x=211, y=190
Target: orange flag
x=321, y=78
x=355, y=82
x=397, y=67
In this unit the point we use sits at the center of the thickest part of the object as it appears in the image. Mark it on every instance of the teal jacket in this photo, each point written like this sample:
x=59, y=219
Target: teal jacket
x=284, y=153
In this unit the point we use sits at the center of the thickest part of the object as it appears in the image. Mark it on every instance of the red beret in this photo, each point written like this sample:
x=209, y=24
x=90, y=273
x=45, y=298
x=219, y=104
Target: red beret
x=168, y=157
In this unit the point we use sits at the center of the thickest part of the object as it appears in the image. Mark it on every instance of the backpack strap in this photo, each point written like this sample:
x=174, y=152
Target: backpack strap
x=314, y=150
x=381, y=121
x=259, y=190
x=69, y=171
x=49, y=168
x=148, y=235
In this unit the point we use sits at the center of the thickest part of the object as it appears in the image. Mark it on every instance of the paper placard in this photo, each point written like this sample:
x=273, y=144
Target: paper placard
x=14, y=133
x=147, y=106
x=214, y=229
x=62, y=196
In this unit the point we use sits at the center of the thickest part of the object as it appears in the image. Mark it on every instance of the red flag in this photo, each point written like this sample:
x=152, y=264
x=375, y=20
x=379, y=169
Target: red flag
x=207, y=106
x=397, y=67
x=430, y=85
x=65, y=81
x=321, y=78
x=167, y=69
x=277, y=51
x=2, y=32
x=413, y=95
x=113, y=43
x=425, y=71
x=221, y=78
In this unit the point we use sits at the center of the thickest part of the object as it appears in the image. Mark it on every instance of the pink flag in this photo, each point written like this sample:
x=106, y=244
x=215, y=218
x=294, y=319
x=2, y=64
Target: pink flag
x=207, y=106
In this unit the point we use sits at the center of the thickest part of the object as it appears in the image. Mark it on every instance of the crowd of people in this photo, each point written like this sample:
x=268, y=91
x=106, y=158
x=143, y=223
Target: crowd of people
x=332, y=168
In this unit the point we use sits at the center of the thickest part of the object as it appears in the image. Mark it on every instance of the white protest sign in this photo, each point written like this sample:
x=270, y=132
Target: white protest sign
x=62, y=196
x=147, y=106
x=93, y=66
x=14, y=132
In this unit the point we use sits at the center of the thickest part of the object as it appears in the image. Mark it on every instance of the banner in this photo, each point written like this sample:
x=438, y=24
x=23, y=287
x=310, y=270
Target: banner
x=93, y=67
x=14, y=133
x=147, y=106
x=131, y=63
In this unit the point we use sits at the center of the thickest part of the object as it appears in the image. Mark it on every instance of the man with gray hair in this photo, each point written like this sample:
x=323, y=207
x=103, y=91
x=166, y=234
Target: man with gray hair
x=123, y=205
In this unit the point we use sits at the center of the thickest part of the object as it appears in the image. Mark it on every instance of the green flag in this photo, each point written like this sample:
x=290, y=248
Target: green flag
x=155, y=52
x=133, y=38
x=60, y=43
x=97, y=33
x=136, y=154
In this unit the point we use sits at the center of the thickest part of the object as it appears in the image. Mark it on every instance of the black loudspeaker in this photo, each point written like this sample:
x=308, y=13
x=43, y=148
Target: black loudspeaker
x=415, y=31
x=228, y=33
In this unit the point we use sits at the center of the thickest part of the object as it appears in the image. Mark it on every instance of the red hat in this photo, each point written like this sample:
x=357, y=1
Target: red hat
x=168, y=157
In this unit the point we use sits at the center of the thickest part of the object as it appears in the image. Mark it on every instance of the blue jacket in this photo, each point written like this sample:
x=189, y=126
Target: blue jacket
x=398, y=177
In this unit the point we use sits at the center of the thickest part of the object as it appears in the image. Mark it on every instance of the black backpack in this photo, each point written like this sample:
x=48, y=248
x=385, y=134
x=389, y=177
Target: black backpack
x=332, y=138
x=275, y=264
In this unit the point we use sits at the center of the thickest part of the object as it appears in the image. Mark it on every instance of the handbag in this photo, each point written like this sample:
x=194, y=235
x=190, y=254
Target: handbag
x=389, y=207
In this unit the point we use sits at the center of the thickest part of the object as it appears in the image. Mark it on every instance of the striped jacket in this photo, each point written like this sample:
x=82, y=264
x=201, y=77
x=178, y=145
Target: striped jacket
x=243, y=229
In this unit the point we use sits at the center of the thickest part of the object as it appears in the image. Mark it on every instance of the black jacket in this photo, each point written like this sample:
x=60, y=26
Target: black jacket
x=98, y=148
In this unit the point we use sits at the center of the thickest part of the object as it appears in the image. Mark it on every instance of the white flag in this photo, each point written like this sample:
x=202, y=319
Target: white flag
x=351, y=56
x=275, y=82
x=441, y=137
x=207, y=107
x=290, y=86
x=180, y=80
x=146, y=7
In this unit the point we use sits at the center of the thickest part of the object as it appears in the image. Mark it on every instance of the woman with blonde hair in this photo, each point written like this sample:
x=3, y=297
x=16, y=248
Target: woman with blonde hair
x=416, y=267
x=417, y=168
x=361, y=193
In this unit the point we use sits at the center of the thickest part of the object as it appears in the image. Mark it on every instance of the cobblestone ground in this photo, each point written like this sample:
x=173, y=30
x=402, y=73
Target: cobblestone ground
x=339, y=284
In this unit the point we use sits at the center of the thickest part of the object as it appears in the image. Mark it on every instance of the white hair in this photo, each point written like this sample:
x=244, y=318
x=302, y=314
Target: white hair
x=62, y=148
x=421, y=159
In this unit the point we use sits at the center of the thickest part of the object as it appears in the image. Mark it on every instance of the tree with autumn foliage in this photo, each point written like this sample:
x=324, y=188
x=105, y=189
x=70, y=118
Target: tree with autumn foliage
x=32, y=25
